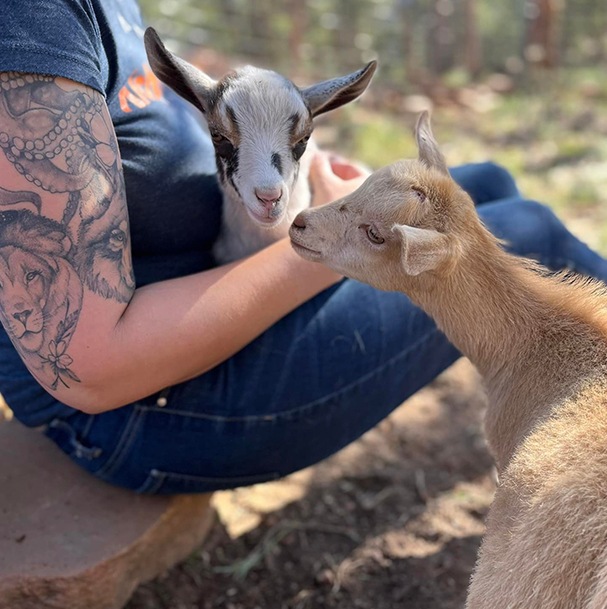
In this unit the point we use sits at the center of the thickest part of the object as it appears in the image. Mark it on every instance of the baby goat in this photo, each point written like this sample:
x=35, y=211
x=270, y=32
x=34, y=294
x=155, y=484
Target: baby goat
x=540, y=343
x=260, y=124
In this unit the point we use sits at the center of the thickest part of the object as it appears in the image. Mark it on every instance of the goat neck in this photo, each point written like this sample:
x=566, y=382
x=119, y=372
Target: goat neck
x=535, y=339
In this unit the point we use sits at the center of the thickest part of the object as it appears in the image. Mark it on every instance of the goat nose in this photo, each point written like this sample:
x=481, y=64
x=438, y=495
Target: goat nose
x=300, y=221
x=268, y=196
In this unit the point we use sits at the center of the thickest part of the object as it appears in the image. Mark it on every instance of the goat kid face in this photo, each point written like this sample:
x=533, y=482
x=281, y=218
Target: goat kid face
x=260, y=123
x=402, y=227
x=260, y=128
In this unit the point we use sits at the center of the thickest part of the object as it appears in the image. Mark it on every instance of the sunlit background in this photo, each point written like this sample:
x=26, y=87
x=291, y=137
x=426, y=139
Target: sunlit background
x=521, y=82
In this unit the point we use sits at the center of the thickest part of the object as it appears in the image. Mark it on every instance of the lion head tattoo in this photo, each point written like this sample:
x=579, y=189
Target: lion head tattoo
x=39, y=288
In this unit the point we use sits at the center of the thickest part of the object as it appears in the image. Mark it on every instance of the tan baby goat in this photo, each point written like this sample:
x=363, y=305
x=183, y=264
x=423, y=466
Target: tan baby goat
x=541, y=345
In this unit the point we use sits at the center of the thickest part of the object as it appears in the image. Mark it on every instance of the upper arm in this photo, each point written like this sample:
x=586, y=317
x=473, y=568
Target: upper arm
x=65, y=261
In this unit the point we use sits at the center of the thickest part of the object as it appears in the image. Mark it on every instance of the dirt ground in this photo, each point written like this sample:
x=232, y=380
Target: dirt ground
x=394, y=520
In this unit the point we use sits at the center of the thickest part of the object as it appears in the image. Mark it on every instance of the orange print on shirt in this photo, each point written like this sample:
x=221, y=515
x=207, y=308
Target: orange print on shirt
x=140, y=90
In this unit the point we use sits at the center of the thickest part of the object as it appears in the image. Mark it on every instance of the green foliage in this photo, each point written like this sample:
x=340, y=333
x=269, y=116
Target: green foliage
x=381, y=140
x=456, y=78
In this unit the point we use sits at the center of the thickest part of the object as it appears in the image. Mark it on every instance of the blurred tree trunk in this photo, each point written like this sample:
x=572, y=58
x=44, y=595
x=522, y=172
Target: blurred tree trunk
x=441, y=37
x=298, y=11
x=345, y=35
x=407, y=47
x=262, y=39
x=472, y=49
x=230, y=14
x=541, y=45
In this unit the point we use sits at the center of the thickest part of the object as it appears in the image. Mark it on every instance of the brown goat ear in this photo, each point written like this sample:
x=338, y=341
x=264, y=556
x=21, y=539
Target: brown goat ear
x=422, y=249
x=429, y=152
x=331, y=94
x=186, y=80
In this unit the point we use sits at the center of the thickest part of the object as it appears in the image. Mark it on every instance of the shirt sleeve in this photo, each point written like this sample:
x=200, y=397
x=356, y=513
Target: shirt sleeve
x=54, y=37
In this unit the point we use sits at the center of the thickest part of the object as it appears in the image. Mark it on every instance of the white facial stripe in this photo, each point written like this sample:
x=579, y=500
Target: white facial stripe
x=263, y=96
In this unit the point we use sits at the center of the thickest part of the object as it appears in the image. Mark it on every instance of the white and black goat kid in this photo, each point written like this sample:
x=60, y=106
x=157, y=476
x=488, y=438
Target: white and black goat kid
x=260, y=124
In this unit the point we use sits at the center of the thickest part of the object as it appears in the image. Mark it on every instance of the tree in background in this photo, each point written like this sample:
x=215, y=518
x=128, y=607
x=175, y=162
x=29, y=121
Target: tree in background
x=472, y=44
x=542, y=32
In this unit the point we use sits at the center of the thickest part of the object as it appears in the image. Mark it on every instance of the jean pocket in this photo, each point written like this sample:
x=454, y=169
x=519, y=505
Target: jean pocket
x=98, y=443
x=127, y=431
x=71, y=433
x=170, y=483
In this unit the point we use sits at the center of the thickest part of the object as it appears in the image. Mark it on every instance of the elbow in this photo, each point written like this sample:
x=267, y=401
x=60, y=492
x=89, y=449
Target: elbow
x=90, y=404
x=100, y=386
x=88, y=398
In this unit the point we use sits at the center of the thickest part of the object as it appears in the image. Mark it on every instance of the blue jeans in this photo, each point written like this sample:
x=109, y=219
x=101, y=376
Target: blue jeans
x=314, y=382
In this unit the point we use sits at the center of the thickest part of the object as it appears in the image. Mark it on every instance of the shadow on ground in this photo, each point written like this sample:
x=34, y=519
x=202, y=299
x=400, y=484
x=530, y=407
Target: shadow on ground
x=394, y=520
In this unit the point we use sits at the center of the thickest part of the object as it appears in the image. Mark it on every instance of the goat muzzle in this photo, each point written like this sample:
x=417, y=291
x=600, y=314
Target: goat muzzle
x=268, y=197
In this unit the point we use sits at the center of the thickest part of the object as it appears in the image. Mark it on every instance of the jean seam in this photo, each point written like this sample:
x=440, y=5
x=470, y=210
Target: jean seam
x=309, y=405
x=156, y=479
x=124, y=444
x=152, y=482
x=87, y=427
x=162, y=475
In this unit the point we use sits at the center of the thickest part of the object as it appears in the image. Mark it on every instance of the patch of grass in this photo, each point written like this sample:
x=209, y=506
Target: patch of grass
x=381, y=140
x=583, y=194
x=575, y=148
x=458, y=77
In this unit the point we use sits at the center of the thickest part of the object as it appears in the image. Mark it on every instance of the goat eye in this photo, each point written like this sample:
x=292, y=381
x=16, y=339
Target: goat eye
x=223, y=146
x=372, y=234
x=419, y=194
x=300, y=147
x=217, y=137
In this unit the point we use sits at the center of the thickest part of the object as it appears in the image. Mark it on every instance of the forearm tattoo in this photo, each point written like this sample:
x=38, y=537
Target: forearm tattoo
x=68, y=231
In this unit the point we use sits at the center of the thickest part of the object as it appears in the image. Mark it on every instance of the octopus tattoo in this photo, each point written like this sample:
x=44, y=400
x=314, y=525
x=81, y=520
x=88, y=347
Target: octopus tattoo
x=69, y=231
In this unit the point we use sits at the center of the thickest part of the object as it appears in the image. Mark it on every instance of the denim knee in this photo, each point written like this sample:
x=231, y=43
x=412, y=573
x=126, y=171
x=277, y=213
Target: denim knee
x=533, y=230
x=500, y=179
x=561, y=249
x=527, y=227
x=541, y=222
x=485, y=182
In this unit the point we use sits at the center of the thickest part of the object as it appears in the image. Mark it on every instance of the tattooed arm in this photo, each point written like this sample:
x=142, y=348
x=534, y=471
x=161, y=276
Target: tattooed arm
x=67, y=294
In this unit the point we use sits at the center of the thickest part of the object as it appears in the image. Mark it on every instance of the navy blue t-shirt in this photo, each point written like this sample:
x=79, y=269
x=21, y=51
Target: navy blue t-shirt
x=172, y=195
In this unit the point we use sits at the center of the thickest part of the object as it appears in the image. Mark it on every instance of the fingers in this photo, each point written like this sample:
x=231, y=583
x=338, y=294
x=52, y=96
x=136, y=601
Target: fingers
x=322, y=179
x=320, y=168
x=326, y=164
x=345, y=169
x=332, y=177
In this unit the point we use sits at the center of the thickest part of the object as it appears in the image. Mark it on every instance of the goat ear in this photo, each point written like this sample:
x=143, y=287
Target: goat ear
x=422, y=249
x=331, y=94
x=429, y=152
x=186, y=80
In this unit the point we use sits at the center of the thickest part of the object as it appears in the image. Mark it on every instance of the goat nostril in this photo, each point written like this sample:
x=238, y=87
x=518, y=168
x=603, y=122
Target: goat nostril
x=299, y=221
x=268, y=197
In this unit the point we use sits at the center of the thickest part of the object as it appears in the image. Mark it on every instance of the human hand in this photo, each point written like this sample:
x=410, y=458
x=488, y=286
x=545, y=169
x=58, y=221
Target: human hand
x=333, y=177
